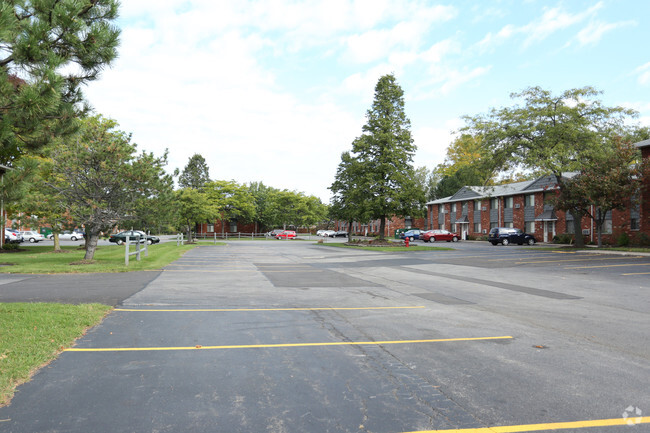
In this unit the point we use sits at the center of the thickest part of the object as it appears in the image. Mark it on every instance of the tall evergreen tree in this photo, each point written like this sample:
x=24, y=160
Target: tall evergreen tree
x=195, y=174
x=50, y=49
x=385, y=153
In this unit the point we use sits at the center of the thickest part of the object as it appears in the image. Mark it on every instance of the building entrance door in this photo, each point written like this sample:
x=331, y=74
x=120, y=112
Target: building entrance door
x=549, y=231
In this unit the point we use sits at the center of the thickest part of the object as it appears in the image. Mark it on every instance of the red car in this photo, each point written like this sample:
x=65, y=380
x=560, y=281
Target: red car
x=286, y=234
x=439, y=235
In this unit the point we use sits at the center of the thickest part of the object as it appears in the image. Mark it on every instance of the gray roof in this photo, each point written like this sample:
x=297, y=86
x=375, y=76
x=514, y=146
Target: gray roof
x=644, y=143
x=482, y=192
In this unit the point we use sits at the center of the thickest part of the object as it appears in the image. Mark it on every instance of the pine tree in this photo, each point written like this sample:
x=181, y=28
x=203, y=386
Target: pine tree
x=51, y=48
x=385, y=154
x=195, y=174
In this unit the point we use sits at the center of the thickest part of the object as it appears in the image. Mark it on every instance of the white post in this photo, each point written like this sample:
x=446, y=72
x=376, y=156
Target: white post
x=126, y=251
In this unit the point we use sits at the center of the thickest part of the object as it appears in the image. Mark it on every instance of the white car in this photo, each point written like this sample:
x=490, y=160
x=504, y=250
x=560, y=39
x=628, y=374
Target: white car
x=328, y=233
x=67, y=236
x=32, y=236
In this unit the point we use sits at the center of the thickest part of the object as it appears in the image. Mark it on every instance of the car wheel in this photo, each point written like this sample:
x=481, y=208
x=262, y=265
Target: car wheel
x=149, y=242
x=505, y=242
x=32, y=240
x=72, y=238
x=120, y=242
x=432, y=239
x=411, y=238
x=494, y=243
x=531, y=241
x=454, y=239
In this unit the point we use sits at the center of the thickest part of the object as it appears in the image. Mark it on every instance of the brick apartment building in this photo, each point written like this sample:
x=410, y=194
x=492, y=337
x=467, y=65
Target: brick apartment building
x=473, y=210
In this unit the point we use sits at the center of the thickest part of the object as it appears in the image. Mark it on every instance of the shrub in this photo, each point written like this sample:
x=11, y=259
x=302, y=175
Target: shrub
x=563, y=238
x=642, y=240
x=10, y=247
x=623, y=240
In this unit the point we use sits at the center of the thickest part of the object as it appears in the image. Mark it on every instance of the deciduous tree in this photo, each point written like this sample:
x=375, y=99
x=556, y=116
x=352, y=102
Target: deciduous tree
x=550, y=133
x=100, y=178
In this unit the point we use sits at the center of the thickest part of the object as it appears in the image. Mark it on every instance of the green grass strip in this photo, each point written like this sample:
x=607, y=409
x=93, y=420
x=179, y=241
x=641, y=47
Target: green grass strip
x=33, y=334
x=42, y=259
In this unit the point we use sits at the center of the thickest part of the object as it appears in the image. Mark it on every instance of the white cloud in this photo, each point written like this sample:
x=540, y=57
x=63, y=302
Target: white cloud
x=595, y=31
x=550, y=22
x=643, y=74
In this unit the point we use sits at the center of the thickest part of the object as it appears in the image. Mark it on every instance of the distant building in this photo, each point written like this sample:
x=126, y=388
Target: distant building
x=473, y=210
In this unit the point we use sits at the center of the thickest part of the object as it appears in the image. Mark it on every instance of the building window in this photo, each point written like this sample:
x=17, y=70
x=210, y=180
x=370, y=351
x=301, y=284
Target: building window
x=494, y=203
x=210, y=228
x=441, y=208
x=233, y=226
x=477, y=205
x=634, y=224
x=407, y=222
x=453, y=207
x=477, y=227
x=529, y=200
x=529, y=227
x=509, y=225
x=494, y=225
x=607, y=227
x=507, y=203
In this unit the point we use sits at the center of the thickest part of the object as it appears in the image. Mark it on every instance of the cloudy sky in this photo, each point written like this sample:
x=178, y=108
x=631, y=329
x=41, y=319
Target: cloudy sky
x=275, y=90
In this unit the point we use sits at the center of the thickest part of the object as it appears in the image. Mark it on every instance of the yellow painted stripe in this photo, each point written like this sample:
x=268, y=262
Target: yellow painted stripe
x=579, y=260
x=546, y=426
x=267, y=309
x=260, y=346
x=637, y=273
x=607, y=266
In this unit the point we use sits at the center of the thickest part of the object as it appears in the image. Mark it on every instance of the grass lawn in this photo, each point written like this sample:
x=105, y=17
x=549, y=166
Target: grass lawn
x=31, y=335
x=389, y=249
x=109, y=258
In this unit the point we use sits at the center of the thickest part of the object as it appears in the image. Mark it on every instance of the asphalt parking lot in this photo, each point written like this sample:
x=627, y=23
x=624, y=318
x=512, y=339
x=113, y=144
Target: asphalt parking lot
x=289, y=336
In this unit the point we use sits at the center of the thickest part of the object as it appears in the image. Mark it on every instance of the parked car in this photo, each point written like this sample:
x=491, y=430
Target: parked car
x=412, y=234
x=32, y=236
x=340, y=234
x=67, y=235
x=273, y=233
x=328, y=233
x=120, y=238
x=320, y=232
x=286, y=234
x=506, y=235
x=439, y=235
x=17, y=233
x=12, y=237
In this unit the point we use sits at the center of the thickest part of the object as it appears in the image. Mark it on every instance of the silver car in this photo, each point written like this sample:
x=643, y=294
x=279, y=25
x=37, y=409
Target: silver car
x=32, y=236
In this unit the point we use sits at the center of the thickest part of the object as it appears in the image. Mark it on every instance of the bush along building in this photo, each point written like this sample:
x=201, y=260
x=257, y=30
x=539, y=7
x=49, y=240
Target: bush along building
x=473, y=210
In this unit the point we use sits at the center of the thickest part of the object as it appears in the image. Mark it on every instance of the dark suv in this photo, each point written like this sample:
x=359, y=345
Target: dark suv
x=505, y=236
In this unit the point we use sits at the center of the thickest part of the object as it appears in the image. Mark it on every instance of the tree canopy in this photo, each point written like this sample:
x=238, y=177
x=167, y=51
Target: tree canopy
x=101, y=181
x=50, y=49
x=382, y=159
x=553, y=134
x=195, y=174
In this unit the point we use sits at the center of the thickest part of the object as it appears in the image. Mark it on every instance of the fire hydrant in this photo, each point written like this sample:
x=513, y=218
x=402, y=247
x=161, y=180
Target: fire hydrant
x=406, y=241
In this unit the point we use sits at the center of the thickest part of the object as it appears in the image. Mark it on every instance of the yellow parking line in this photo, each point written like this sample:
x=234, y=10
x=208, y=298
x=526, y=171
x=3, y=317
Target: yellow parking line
x=637, y=273
x=607, y=266
x=270, y=309
x=268, y=346
x=576, y=260
x=546, y=426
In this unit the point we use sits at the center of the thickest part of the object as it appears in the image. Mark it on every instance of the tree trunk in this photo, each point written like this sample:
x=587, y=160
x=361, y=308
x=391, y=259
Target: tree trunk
x=577, y=229
x=57, y=242
x=91, y=245
x=382, y=227
x=349, y=231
